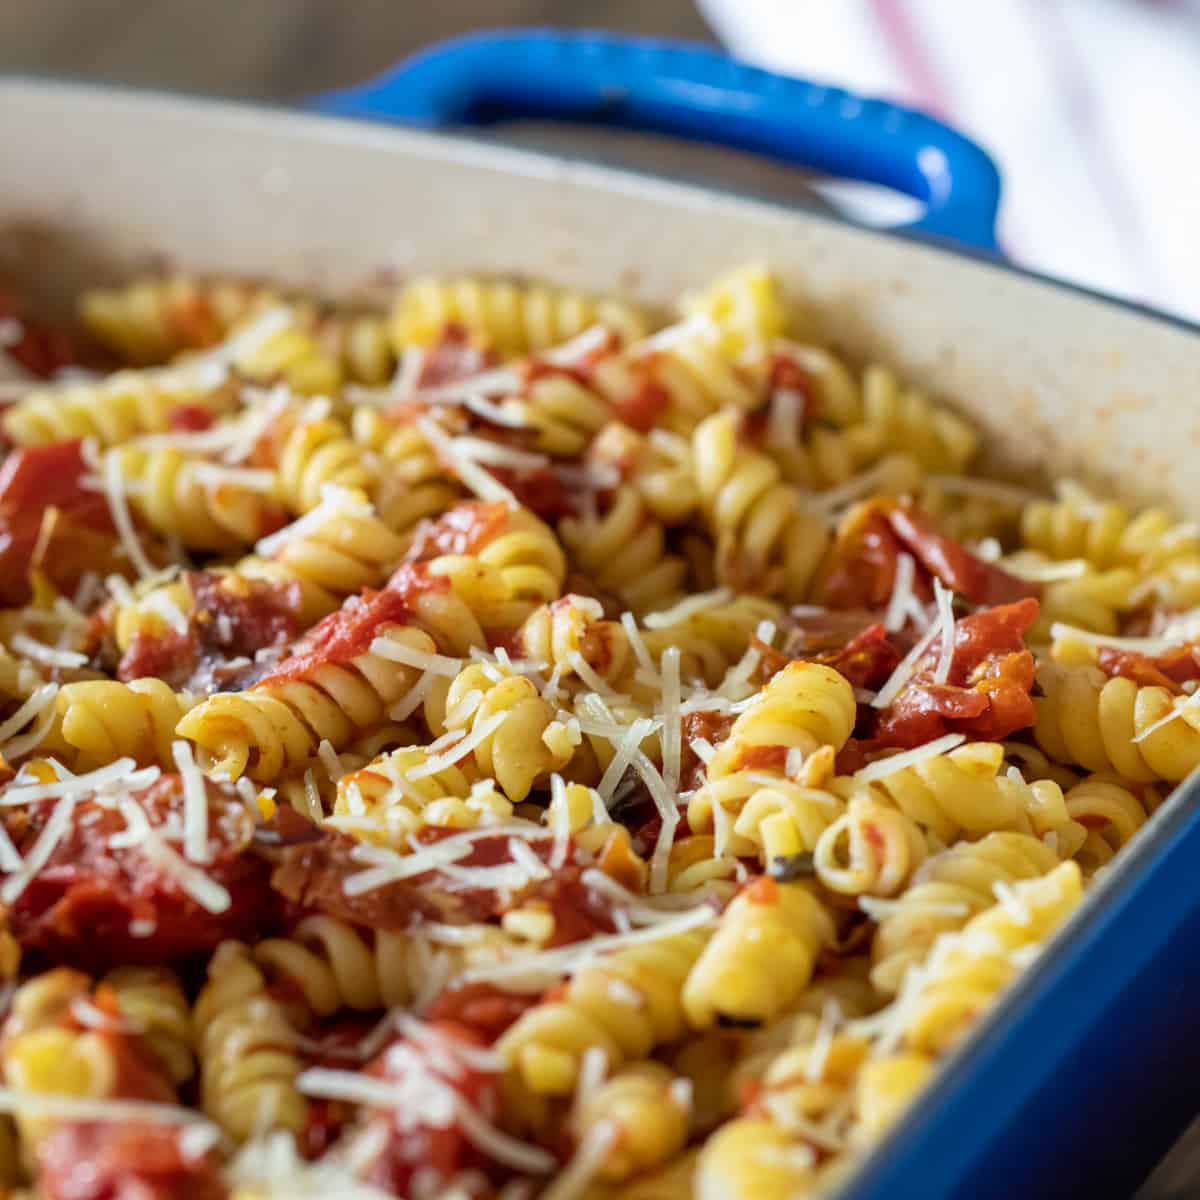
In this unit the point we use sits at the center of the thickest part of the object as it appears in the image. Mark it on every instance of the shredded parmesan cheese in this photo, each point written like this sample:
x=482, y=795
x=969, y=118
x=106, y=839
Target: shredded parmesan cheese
x=907, y=758
x=944, y=599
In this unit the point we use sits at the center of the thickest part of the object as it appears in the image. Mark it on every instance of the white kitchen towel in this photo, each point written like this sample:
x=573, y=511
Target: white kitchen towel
x=1091, y=108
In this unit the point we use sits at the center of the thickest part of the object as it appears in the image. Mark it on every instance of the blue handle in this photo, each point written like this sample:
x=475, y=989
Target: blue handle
x=693, y=92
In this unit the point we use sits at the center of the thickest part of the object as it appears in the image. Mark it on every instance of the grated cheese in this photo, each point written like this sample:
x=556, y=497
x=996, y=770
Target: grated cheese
x=206, y=892
x=43, y=848
x=908, y=758
x=52, y=656
x=1178, y=707
x=1016, y=908
x=410, y=656
x=1144, y=645
x=785, y=414
x=336, y=502
x=1030, y=566
x=391, y=867
x=905, y=669
x=330, y=760
x=195, y=804
x=678, y=613
x=985, y=489
x=672, y=718
x=460, y=749
x=576, y=1177
x=408, y=704
x=485, y=485
x=944, y=599
x=41, y=699
x=565, y=960
x=214, y=475
x=114, y=494
x=86, y=1108
x=902, y=593
x=697, y=326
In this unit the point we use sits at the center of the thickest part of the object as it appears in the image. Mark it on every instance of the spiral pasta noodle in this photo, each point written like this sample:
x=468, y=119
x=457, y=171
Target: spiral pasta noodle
x=314, y=454
x=412, y=485
x=545, y=1047
x=624, y=552
x=978, y=961
x=102, y=720
x=384, y=801
x=246, y=1047
x=1114, y=725
x=804, y=707
x=938, y=439
x=761, y=957
x=517, y=740
x=333, y=966
x=152, y=999
x=150, y=320
x=640, y=1116
x=123, y=406
x=175, y=496
x=508, y=317
x=966, y=792
x=766, y=541
x=534, y=751
x=947, y=890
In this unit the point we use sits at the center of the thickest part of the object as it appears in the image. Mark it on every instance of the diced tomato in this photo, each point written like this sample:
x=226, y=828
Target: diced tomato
x=37, y=477
x=870, y=539
x=541, y=491
x=643, y=407
x=344, y=634
x=1169, y=670
x=40, y=348
x=453, y=357
x=482, y=1007
x=124, y=1160
x=46, y=511
x=96, y=904
x=191, y=418
x=951, y=562
x=465, y=529
x=312, y=864
x=419, y=1142
x=867, y=659
x=762, y=890
x=862, y=572
x=232, y=619
x=988, y=690
x=788, y=375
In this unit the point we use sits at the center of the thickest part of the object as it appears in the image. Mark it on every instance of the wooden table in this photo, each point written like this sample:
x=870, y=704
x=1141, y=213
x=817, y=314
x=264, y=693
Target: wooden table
x=284, y=49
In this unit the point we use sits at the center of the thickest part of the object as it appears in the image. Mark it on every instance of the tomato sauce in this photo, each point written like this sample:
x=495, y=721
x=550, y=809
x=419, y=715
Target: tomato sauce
x=231, y=619
x=96, y=904
x=482, y=1007
x=987, y=693
x=951, y=562
x=413, y=1144
x=465, y=529
x=1170, y=670
x=41, y=348
x=124, y=1160
x=343, y=635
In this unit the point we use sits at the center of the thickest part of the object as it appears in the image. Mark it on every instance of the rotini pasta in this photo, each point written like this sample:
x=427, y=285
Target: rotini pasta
x=578, y=758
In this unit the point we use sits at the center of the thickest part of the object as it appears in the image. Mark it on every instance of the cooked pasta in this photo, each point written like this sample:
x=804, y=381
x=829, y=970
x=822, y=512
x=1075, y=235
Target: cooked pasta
x=493, y=743
x=246, y=1047
x=509, y=317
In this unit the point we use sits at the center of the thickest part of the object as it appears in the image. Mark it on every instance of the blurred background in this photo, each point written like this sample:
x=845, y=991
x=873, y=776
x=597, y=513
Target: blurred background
x=1088, y=106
